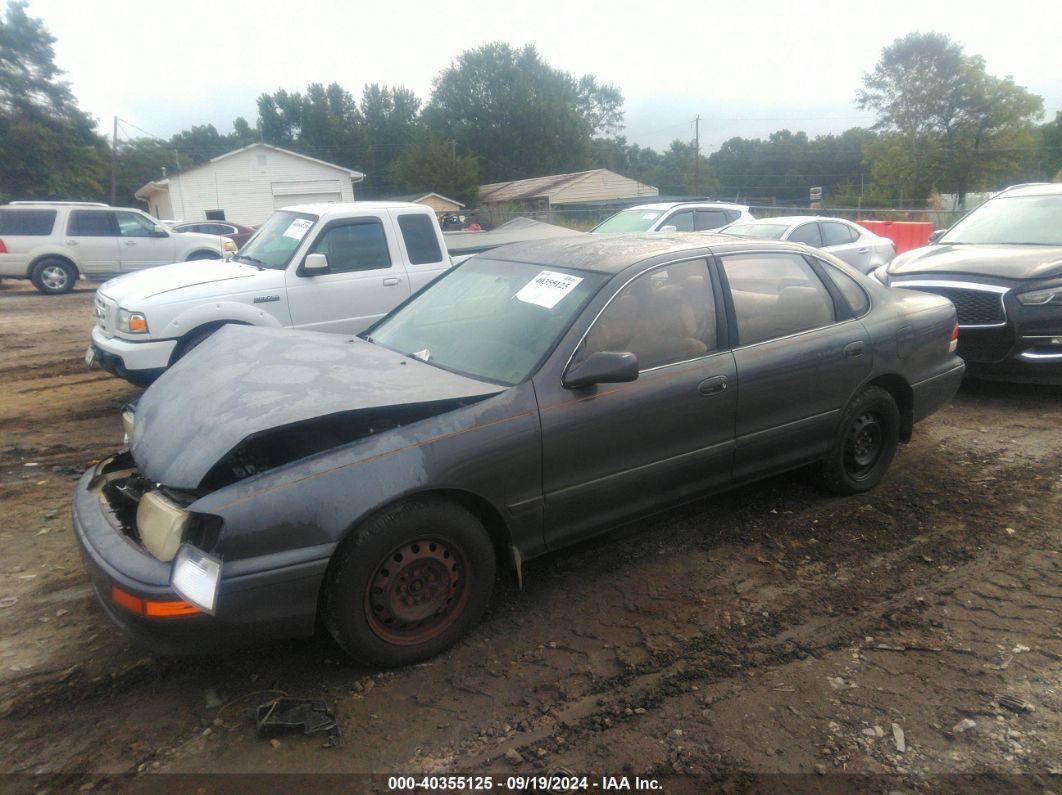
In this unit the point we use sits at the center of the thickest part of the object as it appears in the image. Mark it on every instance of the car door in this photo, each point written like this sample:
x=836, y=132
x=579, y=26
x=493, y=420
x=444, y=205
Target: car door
x=92, y=236
x=799, y=354
x=612, y=451
x=845, y=243
x=139, y=245
x=364, y=280
x=707, y=220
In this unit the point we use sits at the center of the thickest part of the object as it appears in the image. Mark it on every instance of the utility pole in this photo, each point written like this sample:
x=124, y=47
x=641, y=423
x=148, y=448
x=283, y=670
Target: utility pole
x=114, y=164
x=697, y=156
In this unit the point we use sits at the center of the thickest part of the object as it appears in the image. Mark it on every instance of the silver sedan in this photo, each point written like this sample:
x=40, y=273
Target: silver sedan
x=859, y=247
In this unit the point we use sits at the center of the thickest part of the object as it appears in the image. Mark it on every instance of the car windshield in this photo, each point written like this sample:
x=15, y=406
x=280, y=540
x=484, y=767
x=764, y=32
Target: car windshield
x=1028, y=220
x=274, y=244
x=629, y=221
x=761, y=231
x=488, y=319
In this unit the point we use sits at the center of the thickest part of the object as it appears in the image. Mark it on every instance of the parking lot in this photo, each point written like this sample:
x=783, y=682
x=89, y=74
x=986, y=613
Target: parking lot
x=771, y=629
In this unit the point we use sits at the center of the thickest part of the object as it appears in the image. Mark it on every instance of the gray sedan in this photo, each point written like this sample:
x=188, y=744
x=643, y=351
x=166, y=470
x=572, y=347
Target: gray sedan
x=527, y=399
x=856, y=245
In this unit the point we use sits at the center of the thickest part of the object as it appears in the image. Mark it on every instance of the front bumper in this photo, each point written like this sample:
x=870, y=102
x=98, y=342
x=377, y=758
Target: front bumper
x=134, y=361
x=253, y=605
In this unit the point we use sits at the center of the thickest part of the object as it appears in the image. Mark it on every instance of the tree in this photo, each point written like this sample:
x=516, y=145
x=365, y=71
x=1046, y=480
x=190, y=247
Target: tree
x=49, y=148
x=517, y=114
x=430, y=164
x=955, y=120
x=1051, y=148
x=390, y=119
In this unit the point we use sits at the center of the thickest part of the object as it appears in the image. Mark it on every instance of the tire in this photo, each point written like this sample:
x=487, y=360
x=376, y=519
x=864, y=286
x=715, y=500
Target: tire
x=54, y=276
x=198, y=255
x=864, y=446
x=409, y=582
x=190, y=341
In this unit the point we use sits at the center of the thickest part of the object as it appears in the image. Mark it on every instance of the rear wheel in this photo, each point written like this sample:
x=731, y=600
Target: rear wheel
x=865, y=444
x=53, y=276
x=409, y=583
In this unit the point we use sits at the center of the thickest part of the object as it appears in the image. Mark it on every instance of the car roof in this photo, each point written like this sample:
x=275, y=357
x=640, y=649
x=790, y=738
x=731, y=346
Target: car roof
x=670, y=205
x=615, y=252
x=1031, y=189
x=337, y=208
x=789, y=220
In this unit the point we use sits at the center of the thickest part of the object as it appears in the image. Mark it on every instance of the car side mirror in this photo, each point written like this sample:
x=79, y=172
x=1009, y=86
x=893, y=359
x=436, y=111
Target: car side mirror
x=668, y=228
x=936, y=235
x=315, y=263
x=160, y=231
x=603, y=367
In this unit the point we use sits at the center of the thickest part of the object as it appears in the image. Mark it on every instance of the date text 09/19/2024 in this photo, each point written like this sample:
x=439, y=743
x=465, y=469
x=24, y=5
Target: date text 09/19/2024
x=540, y=783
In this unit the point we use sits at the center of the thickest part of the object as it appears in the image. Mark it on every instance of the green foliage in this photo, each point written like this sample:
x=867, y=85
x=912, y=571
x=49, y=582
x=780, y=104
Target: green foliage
x=430, y=164
x=959, y=126
x=48, y=148
x=518, y=115
x=1050, y=150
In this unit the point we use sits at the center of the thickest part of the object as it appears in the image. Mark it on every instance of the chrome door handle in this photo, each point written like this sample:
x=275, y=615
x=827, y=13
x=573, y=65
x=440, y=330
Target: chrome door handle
x=390, y=282
x=71, y=242
x=130, y=242
x=853, y=349
x=712, y=386
x=864, y=251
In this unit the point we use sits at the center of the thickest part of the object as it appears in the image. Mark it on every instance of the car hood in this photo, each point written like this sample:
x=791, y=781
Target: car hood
x=244, y=381
x=1000, y=261
x=151, y=282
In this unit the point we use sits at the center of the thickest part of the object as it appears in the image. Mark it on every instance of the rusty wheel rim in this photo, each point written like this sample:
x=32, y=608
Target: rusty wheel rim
x=417, y=591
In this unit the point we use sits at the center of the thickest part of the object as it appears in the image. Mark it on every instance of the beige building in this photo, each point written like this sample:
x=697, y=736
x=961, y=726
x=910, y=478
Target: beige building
x=246, y=185
x=537, y=196
x=441, y=204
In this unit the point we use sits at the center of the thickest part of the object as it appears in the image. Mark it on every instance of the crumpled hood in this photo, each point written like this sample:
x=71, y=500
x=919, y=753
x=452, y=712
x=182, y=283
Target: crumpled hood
x=1004, y=262
x=245, y=379
x=150, y=282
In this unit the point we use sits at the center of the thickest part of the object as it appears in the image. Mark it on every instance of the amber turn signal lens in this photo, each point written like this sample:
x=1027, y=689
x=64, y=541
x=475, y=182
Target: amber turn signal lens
x=151, y=608
x=137, y=323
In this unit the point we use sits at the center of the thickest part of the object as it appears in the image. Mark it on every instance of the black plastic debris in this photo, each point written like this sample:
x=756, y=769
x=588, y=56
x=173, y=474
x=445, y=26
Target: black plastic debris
x=284, y=715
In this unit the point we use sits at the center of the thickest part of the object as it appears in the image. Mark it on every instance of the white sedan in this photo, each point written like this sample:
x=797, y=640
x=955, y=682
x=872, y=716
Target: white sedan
x=859, y=247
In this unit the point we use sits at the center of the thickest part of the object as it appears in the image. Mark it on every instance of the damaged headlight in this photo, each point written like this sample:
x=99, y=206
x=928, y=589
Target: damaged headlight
x=196, y=576
x=128, y=420
x=161, y=525
x=132, y=322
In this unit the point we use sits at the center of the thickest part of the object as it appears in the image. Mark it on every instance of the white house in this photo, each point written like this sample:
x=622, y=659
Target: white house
x=245, y=186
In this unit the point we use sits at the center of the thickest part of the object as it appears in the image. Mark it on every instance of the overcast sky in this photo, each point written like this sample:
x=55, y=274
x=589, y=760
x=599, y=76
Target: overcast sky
x=746, y=68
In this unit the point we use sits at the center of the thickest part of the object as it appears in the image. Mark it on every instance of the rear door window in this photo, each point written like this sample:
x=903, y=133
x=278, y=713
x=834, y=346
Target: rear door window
x=418, y=233
x=776, y=295
x=33, y=223
x=92, y=223
x=834, y=234
x=853, y=294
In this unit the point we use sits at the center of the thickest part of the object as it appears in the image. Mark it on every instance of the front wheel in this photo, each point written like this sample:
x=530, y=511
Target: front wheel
x=53, y=276
x=865, y=444
x=409, y=583
x=201, y=255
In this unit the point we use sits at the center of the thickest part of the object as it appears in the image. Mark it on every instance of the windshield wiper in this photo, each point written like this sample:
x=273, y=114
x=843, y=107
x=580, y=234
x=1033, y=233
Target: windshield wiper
x=251, y=260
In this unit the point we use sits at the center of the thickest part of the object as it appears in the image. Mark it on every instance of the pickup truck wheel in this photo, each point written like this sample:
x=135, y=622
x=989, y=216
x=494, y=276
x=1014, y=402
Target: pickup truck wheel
x=409, y=583
x=53, y=276
x=198, y=255
x=190, y=341
x=865, y=444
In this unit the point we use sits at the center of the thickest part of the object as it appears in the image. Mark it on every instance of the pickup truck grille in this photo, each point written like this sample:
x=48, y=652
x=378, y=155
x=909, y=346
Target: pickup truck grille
x=975, y=305
x=106, y=314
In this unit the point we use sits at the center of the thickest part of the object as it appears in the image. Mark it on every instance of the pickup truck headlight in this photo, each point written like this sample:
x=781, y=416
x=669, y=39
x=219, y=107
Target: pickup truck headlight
x=132, y=322
x=161, y=525
x=1048, y=295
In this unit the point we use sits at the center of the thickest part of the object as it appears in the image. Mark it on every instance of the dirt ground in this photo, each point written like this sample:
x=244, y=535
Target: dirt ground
x=771, y=630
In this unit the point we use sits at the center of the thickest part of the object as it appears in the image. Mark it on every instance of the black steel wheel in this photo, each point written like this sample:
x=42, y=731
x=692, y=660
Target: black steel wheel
x=409, y=583
x=865, y=444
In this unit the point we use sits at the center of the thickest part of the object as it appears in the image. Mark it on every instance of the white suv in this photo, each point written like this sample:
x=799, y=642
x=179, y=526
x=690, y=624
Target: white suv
x=675, y=217
x=55, y=243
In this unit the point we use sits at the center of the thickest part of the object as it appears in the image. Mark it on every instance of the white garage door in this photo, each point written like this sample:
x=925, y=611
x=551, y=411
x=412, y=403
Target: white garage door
x=304, y=198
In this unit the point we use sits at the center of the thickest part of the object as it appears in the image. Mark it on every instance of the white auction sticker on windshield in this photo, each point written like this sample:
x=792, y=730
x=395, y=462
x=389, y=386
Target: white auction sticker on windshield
x=297, y=228
x=548, y=288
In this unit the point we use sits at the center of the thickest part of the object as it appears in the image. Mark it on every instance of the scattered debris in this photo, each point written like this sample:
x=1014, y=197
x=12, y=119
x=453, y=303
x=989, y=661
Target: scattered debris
x=899, y=739
x=287, y=714
x=8, y=601
x=1016, y=704
x=963, y=726
x=211, y=698
x=513, y=757
x=51, y=514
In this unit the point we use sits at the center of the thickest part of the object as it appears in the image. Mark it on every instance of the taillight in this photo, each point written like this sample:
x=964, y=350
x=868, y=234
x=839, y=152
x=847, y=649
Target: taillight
x=3, y=248
x=953, y=342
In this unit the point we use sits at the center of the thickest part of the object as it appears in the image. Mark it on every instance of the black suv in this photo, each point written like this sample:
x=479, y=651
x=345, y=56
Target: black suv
x=1001, y=265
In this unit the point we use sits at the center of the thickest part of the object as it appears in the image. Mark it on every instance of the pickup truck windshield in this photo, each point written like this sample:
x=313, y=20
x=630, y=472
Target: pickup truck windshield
x=489, y=320
x=1028, y=220
x=274, y=244
x=629, y=221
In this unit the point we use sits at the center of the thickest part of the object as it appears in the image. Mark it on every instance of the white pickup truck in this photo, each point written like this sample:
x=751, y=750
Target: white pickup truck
x=324, y=267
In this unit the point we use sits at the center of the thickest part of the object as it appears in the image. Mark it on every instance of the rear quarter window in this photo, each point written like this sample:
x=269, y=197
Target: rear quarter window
x=422, y=244
x=850, y=289
x=32, y=223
